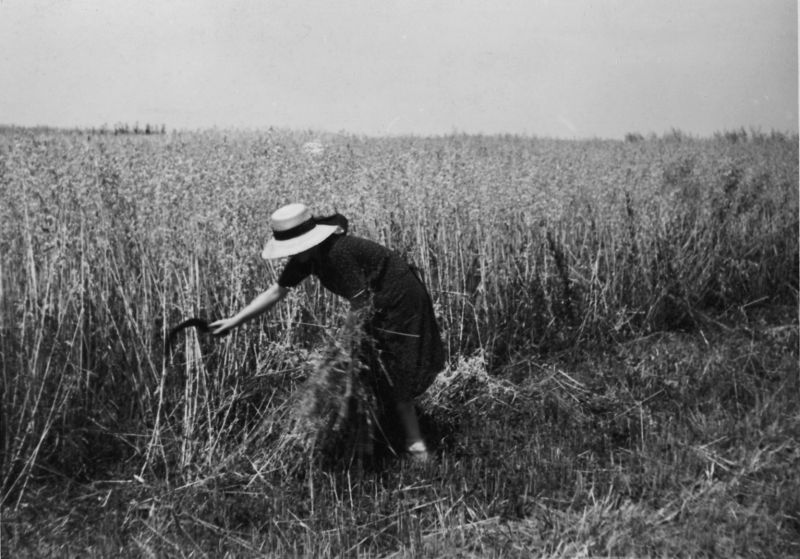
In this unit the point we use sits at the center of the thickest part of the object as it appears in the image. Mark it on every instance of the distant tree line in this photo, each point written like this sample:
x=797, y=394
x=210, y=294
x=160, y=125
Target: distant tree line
x=104, y=130
x=125, y=128
x=121, y=128
x=731, y=136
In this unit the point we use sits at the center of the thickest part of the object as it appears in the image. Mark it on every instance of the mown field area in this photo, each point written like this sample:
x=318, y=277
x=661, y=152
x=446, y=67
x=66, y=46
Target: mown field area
x=621, y=322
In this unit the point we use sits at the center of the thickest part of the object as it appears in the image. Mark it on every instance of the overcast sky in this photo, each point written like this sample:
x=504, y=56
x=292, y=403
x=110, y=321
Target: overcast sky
x=561, y=68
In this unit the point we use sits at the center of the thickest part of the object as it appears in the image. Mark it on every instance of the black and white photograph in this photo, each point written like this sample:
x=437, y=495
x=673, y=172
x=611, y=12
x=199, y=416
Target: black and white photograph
x=399, y=279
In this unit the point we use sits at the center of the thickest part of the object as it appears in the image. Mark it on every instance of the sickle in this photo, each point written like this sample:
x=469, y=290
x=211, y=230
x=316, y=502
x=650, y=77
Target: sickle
x=195, y=322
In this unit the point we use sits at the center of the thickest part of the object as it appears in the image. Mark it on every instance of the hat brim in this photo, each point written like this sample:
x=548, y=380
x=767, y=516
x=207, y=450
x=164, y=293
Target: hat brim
x=290, y=247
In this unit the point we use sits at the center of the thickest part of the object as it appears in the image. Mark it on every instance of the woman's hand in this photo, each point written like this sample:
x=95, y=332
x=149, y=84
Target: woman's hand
x=222, y=327
x=257, y=306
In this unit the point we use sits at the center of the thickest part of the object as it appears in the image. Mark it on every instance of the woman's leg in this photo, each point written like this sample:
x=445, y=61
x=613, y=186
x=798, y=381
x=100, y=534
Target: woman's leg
x=414, y=442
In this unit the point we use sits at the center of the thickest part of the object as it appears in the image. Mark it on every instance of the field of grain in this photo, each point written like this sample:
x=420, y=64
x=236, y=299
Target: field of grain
x=620, y=320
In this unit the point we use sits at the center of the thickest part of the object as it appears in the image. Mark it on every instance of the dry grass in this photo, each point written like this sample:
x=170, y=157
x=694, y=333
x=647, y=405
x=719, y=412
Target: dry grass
x=622, y=362
x=675, y=445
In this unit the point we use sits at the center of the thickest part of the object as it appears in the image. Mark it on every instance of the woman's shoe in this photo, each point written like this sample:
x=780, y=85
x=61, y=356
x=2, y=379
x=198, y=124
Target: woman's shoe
x=419, y=452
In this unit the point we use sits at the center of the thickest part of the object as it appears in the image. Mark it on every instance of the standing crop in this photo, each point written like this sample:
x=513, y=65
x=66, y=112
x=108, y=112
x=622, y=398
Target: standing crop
x=531, y=247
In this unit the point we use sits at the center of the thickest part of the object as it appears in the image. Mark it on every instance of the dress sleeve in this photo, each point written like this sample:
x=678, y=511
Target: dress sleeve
x=293, y=273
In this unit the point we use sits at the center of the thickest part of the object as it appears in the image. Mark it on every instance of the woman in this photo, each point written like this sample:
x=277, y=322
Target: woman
x=369, y=275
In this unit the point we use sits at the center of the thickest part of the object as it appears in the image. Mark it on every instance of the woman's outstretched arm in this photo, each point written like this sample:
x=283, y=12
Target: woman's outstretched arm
x=257, y=306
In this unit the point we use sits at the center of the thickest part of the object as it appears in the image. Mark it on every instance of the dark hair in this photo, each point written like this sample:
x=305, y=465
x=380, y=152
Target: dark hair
x=334, y=219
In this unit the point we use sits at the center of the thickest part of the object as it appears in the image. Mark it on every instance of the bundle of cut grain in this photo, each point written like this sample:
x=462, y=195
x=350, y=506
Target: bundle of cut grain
x=334, y=412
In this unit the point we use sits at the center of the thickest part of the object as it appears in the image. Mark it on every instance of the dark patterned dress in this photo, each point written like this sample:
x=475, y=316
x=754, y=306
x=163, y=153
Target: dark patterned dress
x=402, y=322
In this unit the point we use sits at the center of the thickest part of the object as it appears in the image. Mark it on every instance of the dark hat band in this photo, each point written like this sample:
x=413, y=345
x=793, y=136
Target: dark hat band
x=294, y=232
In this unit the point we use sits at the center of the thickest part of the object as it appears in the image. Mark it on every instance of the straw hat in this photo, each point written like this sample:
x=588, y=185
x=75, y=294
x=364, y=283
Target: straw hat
x=294, y=231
